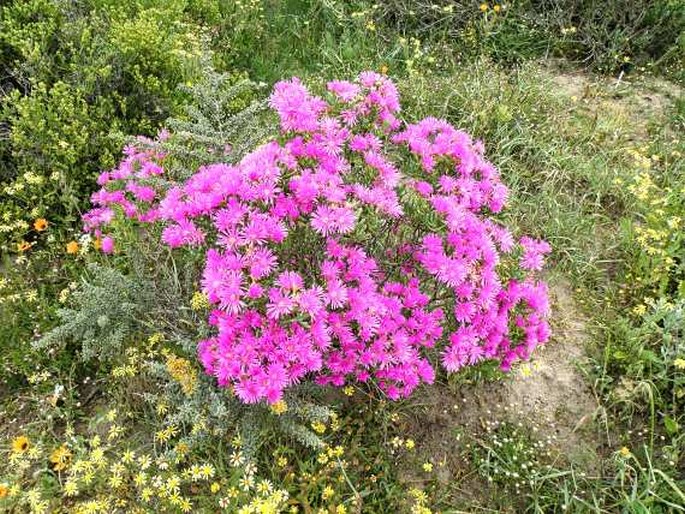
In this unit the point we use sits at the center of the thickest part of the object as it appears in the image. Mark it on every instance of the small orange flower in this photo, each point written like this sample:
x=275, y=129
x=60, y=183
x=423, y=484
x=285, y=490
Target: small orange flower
x=40, y=224
x=97, y=244
x=23, y=246
x=72, y=247
x=4, y=490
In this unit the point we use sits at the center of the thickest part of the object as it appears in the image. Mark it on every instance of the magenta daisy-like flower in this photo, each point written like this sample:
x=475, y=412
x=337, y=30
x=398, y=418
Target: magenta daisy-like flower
x=279, y=304
x=324, y=220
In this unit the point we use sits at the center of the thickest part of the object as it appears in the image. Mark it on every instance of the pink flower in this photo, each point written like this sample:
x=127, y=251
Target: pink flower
x=344, y=90
x=107, y=245
x=317, y=263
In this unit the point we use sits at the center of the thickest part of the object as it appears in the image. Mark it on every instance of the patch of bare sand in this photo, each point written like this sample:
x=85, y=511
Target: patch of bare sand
x=630, y=102
x=553, y=400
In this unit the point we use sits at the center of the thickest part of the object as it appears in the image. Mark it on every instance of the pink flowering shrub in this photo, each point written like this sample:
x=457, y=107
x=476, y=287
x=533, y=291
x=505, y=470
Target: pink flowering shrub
x=352, y=248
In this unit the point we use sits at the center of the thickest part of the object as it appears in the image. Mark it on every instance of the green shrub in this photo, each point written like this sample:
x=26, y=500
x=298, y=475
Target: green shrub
x=80, y=77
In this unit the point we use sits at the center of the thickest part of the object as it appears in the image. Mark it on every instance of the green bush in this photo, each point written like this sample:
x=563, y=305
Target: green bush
x=81, y=76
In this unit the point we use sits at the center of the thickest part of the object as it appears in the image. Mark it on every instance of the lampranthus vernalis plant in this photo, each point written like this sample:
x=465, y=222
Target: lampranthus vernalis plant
x=354, y=247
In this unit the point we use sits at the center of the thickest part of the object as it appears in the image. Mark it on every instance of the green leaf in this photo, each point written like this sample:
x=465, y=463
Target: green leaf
x=671, y=425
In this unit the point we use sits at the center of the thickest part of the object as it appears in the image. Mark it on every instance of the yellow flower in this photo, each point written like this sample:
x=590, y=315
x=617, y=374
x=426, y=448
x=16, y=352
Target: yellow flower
x=526, y=370
x=625, y=452
x=199, y=301
x=410, y=444
x=72, y=247
x=215, y=487
x=128, y=457
x=318, y=427
x=144, y=461
x=428, y=467
x=60, y=458
x=40, y=224
x=327, y=493
x=147, y=494
x=140, y=479
x=349, y=391
x=182, y=371
x=71, y=488
x=639, y=310
x=23, y=246
x=679, y=363
x=483, y=7
x=20, y=444
x=279, y=407
x=4, y=490
x=497, y=8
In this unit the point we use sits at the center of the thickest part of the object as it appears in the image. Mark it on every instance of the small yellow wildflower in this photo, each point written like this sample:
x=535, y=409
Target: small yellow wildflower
x=679, y=363
x=526, y=370
x=497, y=8
x=215, y=487
x=97, y=456
x=264, y=487
x=199, y=301
x=341, y=509
x=327, y=493
x=60, y=458
x=71, y=488
x=349, y=391
x=144, y=461
x=72, y=247
x=318, y=427
x=182, y=371
x=147, y=494
x=625, y=452
x=483, y=7
x=279, y=407
x=4, y=490
x=428, y=467
x=639, y=310
x=185, y=505
x=410, y=444
x=128, y=457
x=282, y=462
x=114, y=432
x=20, y=444
x=140, y=479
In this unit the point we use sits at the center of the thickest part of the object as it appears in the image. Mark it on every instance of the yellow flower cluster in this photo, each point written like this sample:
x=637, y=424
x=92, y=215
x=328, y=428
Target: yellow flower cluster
x=420, y=501
x=659, y=233
x=199, y=301
x=182, y=371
